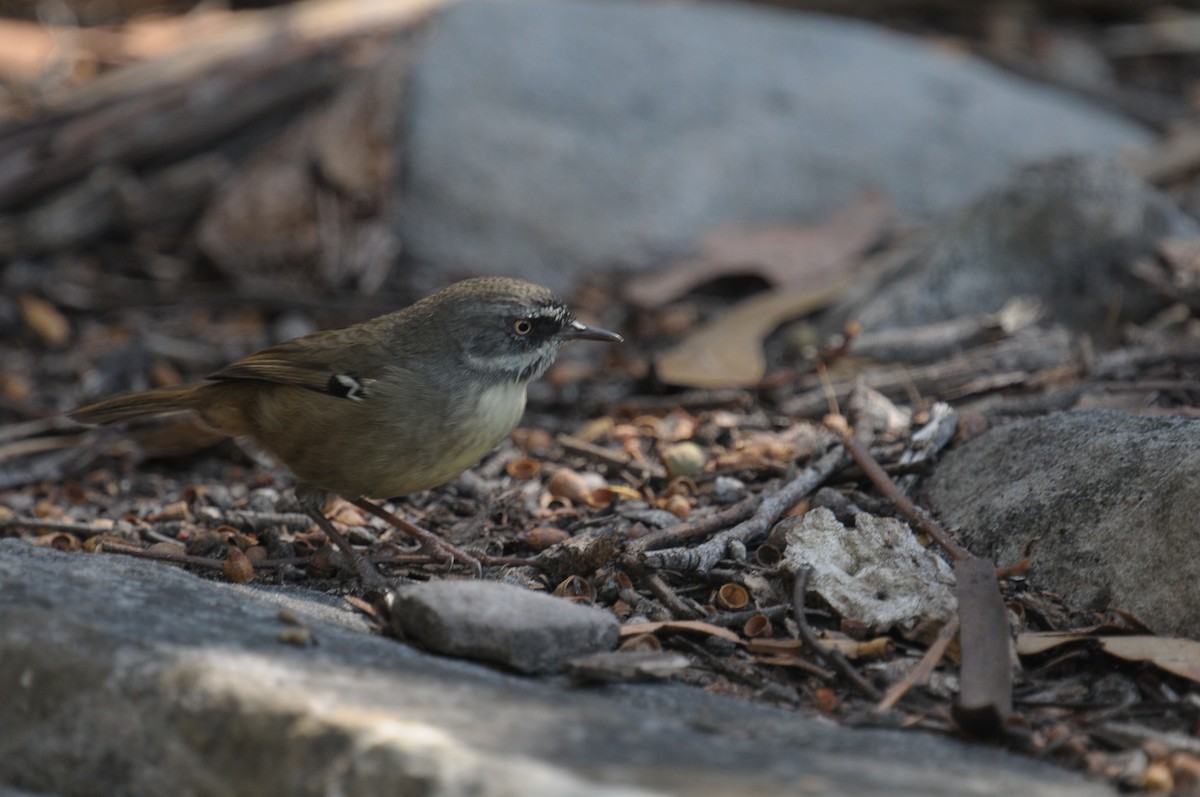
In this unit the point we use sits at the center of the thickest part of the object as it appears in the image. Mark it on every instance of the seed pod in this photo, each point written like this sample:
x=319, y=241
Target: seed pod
x=94, y=544
x=566, y=483
x=539, y=538
x=238, y=567
x=59, y=541
x=523, y=468
x=641, y=643
x=768, y=555
x=757, y=626
x=176, y=511
x=732, y=597
x=576, y=589
x=678, y=506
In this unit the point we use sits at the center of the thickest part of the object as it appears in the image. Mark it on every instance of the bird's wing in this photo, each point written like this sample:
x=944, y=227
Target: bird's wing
x=341, y=362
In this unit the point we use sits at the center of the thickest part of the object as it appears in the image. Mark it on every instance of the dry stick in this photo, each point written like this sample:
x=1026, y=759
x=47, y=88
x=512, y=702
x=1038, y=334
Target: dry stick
x=662, y=590
x=34, y=524
x=696, y=529
x=612, y=459
x=111, y=546
x=880, y=479
x=162, y=556
x=704, y=556
x=920, y=673
x=835, y=658
x=985, y=693
x=255, y=521
x=986, y=676
x=739, y=618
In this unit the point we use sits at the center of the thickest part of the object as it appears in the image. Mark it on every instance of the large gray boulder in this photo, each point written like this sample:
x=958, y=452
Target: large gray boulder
x=547, y=138
x=1065, y=232
x=1111, y=501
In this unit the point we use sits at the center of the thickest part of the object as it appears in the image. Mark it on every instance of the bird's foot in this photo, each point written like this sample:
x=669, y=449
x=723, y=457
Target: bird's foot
x=371, y=577
x=427, y=538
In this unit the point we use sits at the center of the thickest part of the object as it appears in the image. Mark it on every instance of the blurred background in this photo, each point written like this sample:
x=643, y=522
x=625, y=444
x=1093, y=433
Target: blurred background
x=183, y=182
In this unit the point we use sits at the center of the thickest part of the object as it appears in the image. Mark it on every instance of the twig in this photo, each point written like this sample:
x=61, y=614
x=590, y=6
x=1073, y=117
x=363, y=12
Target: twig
x=35, y=524
x=696, y=529
x=985, y=679
x=738, y=619
x=704, y=556
x=612, y=459
x=920, y=672
x=834, y=658
x=662, y=590
x=881, y=480
x=255, y=521
x=164, y=556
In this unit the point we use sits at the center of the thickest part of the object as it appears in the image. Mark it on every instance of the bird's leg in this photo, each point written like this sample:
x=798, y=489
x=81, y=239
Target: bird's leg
x=427, y=538
x=313, y=503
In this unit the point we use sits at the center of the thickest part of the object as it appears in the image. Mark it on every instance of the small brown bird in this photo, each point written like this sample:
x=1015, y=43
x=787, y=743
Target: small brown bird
x=401, y=403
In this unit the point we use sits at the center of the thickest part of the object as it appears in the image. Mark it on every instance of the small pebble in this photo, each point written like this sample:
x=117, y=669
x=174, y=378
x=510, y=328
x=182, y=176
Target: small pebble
x=728, y=490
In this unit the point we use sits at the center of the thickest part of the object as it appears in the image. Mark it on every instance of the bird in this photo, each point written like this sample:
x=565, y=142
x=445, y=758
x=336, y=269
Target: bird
x=390, y=406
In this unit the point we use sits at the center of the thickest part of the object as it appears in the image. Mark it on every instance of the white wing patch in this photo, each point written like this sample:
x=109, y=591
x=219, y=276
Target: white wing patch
x=347, y=387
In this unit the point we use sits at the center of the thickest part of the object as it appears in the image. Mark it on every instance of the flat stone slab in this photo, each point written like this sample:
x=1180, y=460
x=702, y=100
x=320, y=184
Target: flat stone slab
x=122, y=676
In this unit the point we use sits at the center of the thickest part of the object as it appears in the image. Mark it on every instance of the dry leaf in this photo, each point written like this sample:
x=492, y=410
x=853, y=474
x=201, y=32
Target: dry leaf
x=727, y=351
x=690, y=626
x=783, y=255
x=1032, y=643
x=1177, y=656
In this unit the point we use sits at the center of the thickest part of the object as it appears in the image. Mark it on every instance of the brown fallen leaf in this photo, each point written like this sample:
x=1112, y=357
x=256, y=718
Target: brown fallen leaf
x=1177, y=656
x=782, y=254
x=727, y=351
x=689, y=626
x=1032, y=643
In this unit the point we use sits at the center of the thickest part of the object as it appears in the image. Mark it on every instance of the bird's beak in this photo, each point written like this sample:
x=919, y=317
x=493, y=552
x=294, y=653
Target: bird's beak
x=577, y=330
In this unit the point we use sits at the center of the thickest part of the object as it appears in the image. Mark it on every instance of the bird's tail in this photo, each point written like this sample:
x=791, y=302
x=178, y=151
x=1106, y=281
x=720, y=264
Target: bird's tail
x=151, y=403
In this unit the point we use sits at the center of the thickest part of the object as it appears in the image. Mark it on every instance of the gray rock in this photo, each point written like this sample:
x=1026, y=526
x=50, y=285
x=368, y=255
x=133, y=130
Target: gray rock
x=531, y=632
x=5, y=791
x=128, y=677
x=728, y=490
x=1111, y=499
x=547, y=139
x=1065, y=232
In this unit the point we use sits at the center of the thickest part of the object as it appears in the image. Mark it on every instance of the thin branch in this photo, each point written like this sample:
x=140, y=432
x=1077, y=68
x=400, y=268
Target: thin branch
x=883, y=481
x=696, y=529
x=704, y=556
x=834, y=658
x=921, y=671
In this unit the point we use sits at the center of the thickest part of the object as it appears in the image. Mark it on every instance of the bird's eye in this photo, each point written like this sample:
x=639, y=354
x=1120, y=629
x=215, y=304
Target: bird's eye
x=522, y=326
